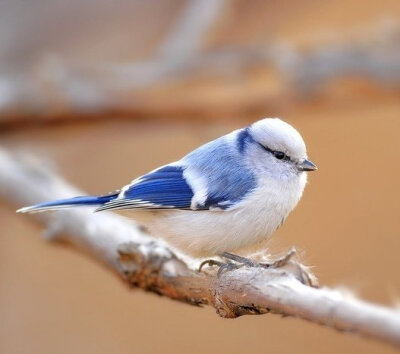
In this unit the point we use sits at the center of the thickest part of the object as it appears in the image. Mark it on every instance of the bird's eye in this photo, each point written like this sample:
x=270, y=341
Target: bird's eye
x=280, y=155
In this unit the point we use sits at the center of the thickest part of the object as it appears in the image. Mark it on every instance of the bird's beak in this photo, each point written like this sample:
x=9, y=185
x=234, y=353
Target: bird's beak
x=306, y=165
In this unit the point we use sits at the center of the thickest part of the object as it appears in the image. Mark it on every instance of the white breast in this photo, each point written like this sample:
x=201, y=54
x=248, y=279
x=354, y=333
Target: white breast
x=208, y=233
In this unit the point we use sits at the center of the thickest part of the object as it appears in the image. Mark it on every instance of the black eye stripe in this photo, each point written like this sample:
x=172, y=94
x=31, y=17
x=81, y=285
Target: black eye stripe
x=266, y=148
x=278, y=154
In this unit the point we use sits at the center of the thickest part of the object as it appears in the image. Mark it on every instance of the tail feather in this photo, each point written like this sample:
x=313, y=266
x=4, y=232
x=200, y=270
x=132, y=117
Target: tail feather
x=67, y=203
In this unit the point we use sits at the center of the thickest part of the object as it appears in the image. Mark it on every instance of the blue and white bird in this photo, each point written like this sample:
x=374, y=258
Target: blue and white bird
x=226, y=195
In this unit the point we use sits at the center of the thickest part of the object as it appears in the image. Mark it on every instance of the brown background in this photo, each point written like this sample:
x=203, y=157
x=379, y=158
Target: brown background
x=56, y=300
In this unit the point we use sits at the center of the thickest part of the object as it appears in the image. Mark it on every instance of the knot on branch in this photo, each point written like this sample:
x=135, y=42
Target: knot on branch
x=231, y=309
x=302, y=273
x=231, y=294
x=154, y=268
x=142, y=263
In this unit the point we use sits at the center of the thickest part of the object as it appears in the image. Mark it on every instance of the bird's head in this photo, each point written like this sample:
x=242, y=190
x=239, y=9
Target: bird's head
x=274, y=147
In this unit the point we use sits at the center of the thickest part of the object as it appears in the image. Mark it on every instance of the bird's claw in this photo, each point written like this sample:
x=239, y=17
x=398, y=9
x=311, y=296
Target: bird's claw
x=235, y=262
x=210, y=263
x=228, y=266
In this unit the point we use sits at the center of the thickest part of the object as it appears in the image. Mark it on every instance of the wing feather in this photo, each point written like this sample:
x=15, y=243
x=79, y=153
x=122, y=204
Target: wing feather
x=165, y=188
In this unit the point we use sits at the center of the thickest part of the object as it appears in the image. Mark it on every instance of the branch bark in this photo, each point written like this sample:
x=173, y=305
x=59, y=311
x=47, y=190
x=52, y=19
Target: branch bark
x=149, y=264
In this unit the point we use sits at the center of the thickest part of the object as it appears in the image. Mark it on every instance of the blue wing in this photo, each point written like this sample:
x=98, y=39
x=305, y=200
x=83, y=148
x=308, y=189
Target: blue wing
x=165, y=188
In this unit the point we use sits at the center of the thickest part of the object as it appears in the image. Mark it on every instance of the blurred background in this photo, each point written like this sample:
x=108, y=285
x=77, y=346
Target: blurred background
x=106, y=91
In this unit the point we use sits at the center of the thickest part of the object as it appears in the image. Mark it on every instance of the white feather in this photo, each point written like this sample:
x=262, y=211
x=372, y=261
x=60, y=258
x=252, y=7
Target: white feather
x=207, y=233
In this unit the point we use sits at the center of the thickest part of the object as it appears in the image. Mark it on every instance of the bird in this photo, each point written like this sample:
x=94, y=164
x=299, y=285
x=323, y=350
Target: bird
x=224, y=196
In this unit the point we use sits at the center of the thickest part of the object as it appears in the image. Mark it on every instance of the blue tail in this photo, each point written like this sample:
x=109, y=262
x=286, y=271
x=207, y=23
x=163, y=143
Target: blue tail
x=66, y=203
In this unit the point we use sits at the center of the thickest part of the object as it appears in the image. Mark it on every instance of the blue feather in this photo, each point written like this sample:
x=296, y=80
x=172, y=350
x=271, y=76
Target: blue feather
x=165, y=188
x=244, y=137
x=64, y=203
x=221, y=164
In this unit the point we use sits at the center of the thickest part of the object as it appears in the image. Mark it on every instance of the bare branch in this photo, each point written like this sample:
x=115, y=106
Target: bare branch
x=149, y=264
x=59, y=88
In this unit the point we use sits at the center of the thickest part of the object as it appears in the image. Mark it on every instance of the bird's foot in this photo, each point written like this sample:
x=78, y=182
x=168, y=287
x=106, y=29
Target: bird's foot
x=281, y=261
x=222, y=265
x=235, y=262
x=277, y=263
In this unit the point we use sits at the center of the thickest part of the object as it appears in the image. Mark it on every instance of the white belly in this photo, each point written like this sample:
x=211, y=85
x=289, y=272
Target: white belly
x=208, y=233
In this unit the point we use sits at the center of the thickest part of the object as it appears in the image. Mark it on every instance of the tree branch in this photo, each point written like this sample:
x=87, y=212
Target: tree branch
x=60, y=89
x=149, y=264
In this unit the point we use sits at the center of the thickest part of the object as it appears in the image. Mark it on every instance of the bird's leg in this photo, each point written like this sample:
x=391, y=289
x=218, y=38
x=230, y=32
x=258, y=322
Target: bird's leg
x=239, y=259
x=234, y=262
x=222, y=265
x=277, y=263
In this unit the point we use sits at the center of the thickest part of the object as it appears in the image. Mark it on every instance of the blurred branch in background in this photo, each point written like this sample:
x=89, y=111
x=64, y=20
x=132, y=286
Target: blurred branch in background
x=183, y=77
x=59, y=89
x=149, y=264
x=188, y=33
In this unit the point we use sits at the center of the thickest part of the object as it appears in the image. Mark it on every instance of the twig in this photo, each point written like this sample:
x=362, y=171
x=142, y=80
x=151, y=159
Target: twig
x=149, y=264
